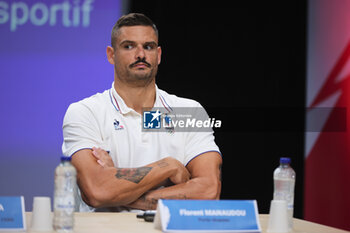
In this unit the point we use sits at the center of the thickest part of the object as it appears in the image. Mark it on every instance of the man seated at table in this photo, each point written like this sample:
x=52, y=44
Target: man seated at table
x=118, y=164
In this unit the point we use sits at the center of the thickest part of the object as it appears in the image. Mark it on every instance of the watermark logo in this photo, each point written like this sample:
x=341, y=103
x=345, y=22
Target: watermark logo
x=179, y=120
x=152, y=119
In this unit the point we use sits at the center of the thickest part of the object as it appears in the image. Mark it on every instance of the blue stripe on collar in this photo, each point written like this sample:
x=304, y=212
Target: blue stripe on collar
x=110, y=96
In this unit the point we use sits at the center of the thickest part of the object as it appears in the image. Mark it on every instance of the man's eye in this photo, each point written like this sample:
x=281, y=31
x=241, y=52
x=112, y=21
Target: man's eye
x=128, y=46
x=148, y=47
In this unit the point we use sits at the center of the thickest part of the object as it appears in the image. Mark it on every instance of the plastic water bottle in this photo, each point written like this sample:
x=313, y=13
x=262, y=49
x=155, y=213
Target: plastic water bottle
x=284, y=182
x=64, y=196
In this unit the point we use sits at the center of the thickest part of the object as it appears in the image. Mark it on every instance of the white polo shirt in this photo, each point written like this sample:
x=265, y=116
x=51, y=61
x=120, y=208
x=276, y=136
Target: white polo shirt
x=105, y=121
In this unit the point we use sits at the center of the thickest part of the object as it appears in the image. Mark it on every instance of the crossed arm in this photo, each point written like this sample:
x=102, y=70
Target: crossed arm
x=205, y=183
x=103, y=185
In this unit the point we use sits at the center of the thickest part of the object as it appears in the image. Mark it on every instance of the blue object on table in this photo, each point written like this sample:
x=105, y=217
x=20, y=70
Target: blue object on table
x=208, y=216
x=12, y=215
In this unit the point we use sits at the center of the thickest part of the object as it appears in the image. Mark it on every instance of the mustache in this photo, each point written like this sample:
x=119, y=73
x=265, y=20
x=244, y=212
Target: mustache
x=140, y=61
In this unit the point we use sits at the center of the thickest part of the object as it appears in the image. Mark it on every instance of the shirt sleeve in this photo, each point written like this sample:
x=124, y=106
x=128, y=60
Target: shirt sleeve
x=80, y=129
x=199, y=140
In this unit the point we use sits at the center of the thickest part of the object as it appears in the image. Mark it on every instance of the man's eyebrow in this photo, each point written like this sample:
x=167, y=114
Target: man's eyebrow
x=151, y=43
x=127, y=42
x=133, y=42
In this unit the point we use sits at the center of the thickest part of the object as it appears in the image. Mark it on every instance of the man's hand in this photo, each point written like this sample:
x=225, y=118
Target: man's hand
x=181, y=174
x=102, y=157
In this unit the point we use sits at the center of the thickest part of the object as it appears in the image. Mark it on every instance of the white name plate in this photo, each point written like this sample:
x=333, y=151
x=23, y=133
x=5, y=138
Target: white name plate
x=12, y=217
x=207, y=216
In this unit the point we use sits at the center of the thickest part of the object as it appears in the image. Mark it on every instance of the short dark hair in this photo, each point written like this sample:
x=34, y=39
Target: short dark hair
x=132, y=19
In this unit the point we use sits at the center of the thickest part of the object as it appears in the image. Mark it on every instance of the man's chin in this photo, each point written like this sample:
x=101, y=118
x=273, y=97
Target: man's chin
x=140, y=79
x=141, y=74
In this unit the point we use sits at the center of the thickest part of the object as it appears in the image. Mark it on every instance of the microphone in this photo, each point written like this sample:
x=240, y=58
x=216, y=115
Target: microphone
x=147, y=215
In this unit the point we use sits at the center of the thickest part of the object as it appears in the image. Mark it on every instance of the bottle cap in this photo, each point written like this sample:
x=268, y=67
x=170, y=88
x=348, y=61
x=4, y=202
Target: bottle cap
x=284, y=160
x=66, y=158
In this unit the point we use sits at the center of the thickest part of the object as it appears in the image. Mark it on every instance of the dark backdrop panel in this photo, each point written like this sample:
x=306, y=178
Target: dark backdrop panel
x=230, y=55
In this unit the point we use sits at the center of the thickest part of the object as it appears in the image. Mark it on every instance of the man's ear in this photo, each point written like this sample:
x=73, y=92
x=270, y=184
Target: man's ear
x=159, y=54
x=110, y=54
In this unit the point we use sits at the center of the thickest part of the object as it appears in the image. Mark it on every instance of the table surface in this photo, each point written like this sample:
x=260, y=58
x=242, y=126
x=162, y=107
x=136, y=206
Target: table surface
x=127, y=222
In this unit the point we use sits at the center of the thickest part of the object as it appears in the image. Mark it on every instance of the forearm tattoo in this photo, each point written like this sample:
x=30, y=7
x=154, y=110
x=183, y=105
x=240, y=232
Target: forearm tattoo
x=162, y=164
x=133, y=174
x=151, y=203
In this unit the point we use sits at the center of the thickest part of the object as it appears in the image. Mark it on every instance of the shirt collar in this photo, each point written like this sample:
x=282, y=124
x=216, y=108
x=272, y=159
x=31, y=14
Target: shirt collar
x=118, y=102
x=120, y=105
x=161, y=101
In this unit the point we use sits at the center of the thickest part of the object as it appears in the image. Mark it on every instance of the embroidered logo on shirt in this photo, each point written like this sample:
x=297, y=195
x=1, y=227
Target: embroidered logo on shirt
x=167, y=123
x=117, y=125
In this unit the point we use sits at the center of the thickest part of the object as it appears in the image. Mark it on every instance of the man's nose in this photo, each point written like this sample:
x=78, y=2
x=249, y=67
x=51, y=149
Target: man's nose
x=140, y=53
